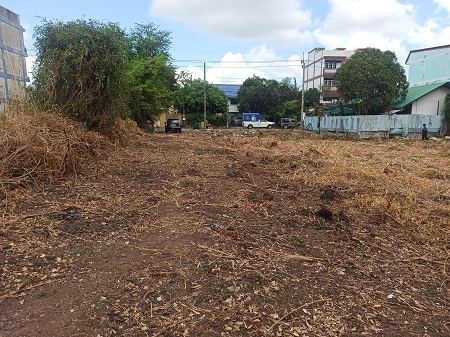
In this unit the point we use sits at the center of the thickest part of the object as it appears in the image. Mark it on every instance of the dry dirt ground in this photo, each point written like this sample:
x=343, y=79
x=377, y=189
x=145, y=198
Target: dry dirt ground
x=218, y=233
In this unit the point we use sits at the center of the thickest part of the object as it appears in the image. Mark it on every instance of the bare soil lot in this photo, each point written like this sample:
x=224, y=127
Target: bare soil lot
x=217, y=233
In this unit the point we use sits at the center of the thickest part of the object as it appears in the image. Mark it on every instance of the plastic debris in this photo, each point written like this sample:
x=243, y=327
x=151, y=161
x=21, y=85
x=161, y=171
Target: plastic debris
x=71, y=215
x=214, y=225
x=390, y=296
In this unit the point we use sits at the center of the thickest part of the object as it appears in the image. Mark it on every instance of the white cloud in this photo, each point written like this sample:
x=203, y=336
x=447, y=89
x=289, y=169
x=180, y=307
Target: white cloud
x=431, y=32
x=276, y=22
x=396, y=25
x=382, y=25
x=28, y=37
x=274, y=64
x=30, y=64
x=232, y=69
x=28, y=42
x=386, y=24
x=259, y=61
x=443, y=4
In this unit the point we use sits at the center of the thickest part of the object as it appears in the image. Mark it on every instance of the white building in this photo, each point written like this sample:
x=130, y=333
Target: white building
x=320, y=68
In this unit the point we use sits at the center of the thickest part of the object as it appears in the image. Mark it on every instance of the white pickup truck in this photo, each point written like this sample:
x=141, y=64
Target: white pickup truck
x=255, y=120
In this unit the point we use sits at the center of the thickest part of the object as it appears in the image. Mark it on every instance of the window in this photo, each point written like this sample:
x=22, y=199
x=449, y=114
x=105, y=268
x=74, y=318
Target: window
x=332, y=64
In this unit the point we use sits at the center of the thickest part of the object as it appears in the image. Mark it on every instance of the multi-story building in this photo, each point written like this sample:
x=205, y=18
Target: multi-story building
x=13, y=70
x=429, y=82
x=319, y=70
x=429, y=65
x=230, y=91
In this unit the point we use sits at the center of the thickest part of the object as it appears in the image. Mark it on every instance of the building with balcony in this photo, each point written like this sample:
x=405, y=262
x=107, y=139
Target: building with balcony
x=319, y=70
x=13, y=70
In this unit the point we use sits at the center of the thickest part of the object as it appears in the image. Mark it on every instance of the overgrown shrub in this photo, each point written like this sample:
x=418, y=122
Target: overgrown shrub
x=80, y=71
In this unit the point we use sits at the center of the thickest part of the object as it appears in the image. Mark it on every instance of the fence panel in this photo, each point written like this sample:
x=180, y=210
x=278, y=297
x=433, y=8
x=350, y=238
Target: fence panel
x=394, y=124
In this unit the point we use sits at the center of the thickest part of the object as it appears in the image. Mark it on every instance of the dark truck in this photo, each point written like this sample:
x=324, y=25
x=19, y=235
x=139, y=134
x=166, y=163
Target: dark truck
x=172, y=125
x=289, y=123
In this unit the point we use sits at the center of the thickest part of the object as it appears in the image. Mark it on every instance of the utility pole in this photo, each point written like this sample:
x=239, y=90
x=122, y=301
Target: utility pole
x=303, y=90
x=204, y=94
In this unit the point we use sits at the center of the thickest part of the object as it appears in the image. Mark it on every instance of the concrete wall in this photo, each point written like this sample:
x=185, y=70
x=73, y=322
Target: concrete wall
x=378, y=126
x=13, y=71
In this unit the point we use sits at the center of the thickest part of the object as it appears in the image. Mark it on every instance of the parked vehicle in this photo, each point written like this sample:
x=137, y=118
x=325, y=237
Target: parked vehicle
x=255, y=120
x=289, y=123
x=236, y=120
x=172, y=125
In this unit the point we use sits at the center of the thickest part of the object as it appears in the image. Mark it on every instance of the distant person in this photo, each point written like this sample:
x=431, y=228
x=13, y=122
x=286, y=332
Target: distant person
x=424, y=132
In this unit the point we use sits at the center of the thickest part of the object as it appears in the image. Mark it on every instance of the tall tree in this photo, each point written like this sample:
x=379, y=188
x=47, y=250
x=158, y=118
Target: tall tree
x=312, y=98
x=192, y=93
x=371, y=80
x=152, y=86
x=289, y=109
x=266, y=96
x=151, y=77
x=80, y=70
x=147, y=40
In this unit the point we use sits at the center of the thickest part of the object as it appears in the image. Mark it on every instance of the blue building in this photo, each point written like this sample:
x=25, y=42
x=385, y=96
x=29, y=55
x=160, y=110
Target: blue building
x=230, y=91
x=429, y=65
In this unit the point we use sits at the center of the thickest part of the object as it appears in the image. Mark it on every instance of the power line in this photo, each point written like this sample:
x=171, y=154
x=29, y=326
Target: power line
x=249, y=61
x=249, y=67
x=228, y=51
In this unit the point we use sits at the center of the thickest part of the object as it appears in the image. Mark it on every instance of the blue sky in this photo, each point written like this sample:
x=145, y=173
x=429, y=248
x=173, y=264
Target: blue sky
x=236, y=39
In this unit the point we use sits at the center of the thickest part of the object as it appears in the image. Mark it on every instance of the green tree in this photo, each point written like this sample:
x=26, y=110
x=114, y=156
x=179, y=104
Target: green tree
x=151, y=86
x=182, y=78
x=151, y=81
x=147, y=40
x=446, y=110
x=312, y=98
x=255, y=96
x=266, y=96
x=290, y=109
x=288, y=90
x=80, y=70
x=191, y=98
x=371, y=80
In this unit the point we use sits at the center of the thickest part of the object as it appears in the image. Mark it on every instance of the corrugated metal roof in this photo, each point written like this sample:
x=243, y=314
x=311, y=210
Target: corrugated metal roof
x=230, y=90
x=336, y=111
x=416, y=92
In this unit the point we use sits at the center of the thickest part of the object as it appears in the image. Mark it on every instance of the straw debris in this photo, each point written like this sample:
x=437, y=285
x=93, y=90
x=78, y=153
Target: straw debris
x=229, y=233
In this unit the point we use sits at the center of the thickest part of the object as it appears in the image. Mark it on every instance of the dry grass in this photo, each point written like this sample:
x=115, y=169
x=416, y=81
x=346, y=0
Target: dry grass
x=37, y=148
x=314, y=235
x=405, y=181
